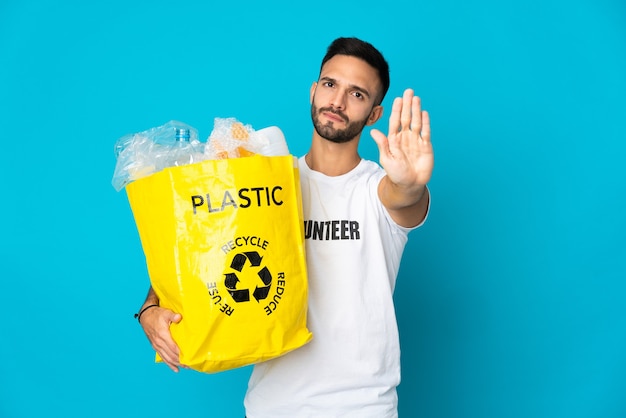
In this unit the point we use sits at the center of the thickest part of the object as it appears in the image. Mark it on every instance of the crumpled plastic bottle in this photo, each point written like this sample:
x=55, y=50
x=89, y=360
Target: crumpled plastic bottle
x=182, y=151
x=144, y=153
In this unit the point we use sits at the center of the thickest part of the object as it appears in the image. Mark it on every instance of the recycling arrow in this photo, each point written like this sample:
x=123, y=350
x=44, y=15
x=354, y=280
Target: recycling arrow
x=231, y=280
x=239, y=260
x=261, y=293
x=239, y=295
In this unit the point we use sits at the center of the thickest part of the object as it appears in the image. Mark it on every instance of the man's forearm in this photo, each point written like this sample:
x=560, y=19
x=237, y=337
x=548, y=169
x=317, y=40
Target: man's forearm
x=407, y=206
x=396, y=197
x=151, y=298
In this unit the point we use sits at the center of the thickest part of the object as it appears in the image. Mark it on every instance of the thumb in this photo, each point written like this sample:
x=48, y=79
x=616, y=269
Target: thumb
x=381, y=140
x=175, y=318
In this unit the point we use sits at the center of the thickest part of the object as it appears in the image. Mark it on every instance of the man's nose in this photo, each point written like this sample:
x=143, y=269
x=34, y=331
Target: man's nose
x=338, y=100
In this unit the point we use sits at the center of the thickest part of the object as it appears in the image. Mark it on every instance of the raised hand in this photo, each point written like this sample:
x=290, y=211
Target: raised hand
x=406, y=153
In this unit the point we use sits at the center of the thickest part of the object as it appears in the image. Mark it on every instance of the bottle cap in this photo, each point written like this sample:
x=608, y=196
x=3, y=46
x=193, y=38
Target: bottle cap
x=182, y=134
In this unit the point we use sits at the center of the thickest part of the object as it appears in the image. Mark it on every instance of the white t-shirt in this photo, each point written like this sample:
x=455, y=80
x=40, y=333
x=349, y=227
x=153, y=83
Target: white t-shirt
x=351, y=367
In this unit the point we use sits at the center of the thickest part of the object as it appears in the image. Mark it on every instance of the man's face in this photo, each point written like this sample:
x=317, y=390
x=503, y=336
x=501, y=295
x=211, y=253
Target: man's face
x=343, y=100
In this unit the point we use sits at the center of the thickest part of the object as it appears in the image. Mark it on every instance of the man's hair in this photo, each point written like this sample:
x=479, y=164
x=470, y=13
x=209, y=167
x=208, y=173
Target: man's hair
x=367, y=52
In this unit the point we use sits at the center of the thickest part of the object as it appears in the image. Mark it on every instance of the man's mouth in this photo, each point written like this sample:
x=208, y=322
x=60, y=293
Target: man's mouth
x=334, y=116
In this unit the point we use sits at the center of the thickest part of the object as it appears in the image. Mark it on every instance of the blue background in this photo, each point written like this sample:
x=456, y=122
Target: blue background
x=510, y=299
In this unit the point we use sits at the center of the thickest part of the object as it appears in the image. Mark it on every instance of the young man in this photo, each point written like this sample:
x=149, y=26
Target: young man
x=351, y=368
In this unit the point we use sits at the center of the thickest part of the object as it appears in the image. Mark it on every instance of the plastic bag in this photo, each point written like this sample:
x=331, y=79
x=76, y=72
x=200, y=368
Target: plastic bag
x=144, y=153
x=224, y=247
x=223, y=239
x=148, y=152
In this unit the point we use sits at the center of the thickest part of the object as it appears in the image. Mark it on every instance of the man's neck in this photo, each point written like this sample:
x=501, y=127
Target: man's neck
x=332, y=159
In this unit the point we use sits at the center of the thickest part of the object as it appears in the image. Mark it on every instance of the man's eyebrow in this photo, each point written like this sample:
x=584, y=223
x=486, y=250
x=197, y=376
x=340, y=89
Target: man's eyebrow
x=351, y=86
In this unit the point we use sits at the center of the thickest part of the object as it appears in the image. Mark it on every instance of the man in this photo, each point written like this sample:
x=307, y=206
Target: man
x=352, y=365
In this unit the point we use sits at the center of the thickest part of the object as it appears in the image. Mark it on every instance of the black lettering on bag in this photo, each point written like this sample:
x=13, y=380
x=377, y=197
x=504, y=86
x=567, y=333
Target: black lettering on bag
x=228, y=200
x=196, y=201
x=274, y=195
x=260, y=196
x=242, y=196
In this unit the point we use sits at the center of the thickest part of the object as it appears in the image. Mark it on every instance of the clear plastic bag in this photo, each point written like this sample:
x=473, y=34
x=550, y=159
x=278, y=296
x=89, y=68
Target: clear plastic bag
x=232, y=139
x=176, y=143
x=147, y=152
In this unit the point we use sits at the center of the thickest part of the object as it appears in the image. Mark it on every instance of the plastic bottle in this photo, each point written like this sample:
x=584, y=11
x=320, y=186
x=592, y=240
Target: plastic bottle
x=183, y=151
x=276, y=145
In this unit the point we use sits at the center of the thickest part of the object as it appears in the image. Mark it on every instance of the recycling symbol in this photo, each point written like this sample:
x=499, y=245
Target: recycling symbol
x=250, y=262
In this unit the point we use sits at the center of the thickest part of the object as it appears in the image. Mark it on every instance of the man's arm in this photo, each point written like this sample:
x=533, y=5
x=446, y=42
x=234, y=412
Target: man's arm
x=406, y=154
x=407, y=208
x=156, y=324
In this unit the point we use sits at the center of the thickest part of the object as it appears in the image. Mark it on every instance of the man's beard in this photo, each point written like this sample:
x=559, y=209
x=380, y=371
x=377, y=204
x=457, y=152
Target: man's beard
x=338, y=136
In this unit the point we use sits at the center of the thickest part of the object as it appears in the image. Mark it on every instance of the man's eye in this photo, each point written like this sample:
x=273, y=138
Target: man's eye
x=328, y=84
x=358, y=95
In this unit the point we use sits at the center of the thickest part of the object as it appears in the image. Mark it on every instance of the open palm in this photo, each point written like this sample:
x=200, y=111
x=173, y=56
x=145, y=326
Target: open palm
x=406, y=153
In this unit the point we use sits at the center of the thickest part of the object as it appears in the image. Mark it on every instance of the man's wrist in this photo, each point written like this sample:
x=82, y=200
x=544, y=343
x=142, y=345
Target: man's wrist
x=144, y=308
x=406, y=195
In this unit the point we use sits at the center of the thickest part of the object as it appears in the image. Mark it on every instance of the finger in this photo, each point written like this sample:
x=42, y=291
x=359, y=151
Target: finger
x=171, y=365
x=172, y=348
x=394, y=118
x=166, y=336
x=168, y=355
x=416, y=111
x=163, y=343
x=405, y=115
x=425, y=126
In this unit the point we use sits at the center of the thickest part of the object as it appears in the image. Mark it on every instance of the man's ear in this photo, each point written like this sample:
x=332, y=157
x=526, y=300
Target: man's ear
x=312, y=92
x=375, y=114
